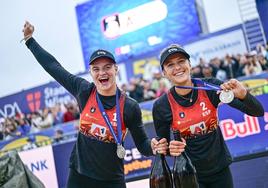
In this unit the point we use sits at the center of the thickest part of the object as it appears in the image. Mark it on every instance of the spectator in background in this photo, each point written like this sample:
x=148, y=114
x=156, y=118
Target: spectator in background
x=57, y=114
x=148, y=92
x=243, y=61
x=70, y=114
x=207, y=71
x=42, y=120
x=23, y=124
x=252, y=67
x=135, y=90
x=158, y=80
x=34, y=118
x=47, y=117
x=58, y=136
x=261, y=50
x=263, y=62
x=162, y=89
x=11, y=129
x=230, y=65
x=124, y=89
x=217, y=72
x=196, y=72
x=202, y=62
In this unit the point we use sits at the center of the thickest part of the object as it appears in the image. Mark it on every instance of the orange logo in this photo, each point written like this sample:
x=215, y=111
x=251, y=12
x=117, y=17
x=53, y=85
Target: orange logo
x=33, y=100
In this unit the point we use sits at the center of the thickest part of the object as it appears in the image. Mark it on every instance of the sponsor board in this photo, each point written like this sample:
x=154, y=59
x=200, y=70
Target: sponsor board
x=41, y=162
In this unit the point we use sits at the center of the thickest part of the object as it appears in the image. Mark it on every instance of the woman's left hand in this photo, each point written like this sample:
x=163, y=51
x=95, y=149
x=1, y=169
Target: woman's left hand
x=236, y=87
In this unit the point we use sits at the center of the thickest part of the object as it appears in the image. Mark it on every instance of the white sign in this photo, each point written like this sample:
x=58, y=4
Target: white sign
x=134, y=19
x=139, y=183
x=41, y=162
x=229, y=43
x=10, y=110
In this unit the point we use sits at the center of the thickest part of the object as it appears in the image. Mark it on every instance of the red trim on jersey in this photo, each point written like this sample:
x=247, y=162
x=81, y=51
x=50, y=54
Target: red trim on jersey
x=92, y=123
x=199, y=119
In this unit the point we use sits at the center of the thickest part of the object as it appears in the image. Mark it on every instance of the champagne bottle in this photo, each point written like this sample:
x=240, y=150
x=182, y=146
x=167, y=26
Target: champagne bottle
x=160, y=176
x=184, y=173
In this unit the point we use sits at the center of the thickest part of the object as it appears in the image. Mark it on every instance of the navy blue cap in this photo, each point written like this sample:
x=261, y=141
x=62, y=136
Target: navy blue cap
x=101, y=53
x=172, y=50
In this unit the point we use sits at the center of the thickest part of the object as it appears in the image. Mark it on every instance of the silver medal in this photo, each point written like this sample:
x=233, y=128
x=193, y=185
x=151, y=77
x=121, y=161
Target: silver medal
x=120, y=151
x=226, y=96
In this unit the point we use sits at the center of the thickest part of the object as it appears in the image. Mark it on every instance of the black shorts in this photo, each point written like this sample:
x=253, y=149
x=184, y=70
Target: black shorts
x=76, y=180
x=222, y=179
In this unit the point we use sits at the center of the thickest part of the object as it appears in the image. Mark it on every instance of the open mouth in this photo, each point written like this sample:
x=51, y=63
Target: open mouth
x=104, y=80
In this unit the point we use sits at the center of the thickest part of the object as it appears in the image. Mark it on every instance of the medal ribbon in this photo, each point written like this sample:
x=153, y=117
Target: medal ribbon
x=118, y=138
x=204, y=85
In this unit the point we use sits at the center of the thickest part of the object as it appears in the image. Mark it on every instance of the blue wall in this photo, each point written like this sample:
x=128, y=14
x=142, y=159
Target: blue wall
x=251, y=173
x=262, y=6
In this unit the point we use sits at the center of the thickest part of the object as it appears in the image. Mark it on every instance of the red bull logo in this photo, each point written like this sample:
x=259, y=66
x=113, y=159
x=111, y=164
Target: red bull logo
x=231, y=130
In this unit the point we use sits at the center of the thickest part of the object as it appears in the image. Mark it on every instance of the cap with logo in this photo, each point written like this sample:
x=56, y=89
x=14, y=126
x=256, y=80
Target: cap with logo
x=172, y=50
x=101, y=53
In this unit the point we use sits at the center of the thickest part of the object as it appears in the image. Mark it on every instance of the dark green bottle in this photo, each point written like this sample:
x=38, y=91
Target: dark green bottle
x=184, y=173
x=160, y=176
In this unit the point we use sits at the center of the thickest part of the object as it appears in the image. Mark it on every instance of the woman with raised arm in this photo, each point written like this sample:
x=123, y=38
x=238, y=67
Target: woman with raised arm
x=106, y=114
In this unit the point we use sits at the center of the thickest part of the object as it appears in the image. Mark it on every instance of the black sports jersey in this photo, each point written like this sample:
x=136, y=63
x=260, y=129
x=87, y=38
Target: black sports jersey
x=207, y=149
x=91, y=157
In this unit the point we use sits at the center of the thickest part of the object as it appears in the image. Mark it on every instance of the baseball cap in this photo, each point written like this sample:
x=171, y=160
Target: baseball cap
x=101, y=53
x=172, y=50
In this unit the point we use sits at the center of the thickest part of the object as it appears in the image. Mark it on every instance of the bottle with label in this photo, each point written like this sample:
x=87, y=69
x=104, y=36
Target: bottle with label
x=160, y=176
x=184, y=173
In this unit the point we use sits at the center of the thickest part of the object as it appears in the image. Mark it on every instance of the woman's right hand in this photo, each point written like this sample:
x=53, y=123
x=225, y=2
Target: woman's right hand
x=176, y=147
x=160, y=146
x=28, y=30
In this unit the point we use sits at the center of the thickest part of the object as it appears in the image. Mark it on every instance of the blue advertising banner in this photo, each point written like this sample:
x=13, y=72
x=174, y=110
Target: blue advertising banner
x=244, y=134
x=132, y=28
x=32, y=100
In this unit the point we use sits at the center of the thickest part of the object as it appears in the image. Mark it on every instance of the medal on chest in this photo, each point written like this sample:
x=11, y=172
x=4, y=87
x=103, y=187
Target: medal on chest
x=120, y=150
